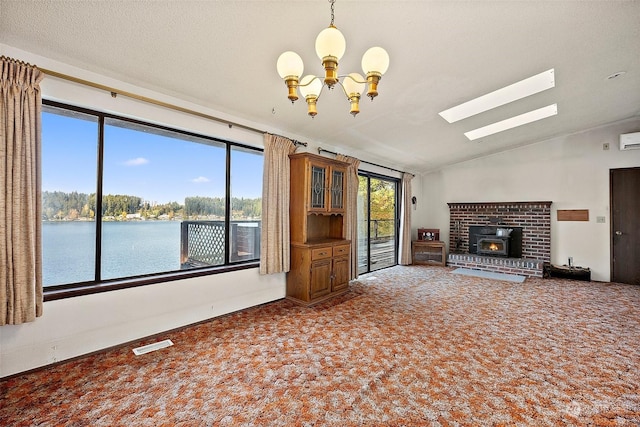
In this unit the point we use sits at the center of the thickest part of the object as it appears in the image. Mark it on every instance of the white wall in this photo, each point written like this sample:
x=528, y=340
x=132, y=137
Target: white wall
x=570, y=171
x=74, y=326
x=80, y=325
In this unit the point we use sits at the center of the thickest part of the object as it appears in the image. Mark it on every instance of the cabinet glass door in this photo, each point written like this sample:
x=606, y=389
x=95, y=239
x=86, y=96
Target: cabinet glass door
x=337, y=189
x=318, y=179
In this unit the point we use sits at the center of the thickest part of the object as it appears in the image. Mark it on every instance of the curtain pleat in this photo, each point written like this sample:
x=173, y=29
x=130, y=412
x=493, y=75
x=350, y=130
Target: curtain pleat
x=404, y=257
x=351, y=216
x=21, y=296
x=274, y=233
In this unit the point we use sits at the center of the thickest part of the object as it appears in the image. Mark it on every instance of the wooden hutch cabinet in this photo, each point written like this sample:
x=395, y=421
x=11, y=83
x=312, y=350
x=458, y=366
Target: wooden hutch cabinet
x=320, y=254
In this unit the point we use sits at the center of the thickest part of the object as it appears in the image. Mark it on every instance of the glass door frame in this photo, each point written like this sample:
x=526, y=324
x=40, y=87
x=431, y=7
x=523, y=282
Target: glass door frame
x=367, y=239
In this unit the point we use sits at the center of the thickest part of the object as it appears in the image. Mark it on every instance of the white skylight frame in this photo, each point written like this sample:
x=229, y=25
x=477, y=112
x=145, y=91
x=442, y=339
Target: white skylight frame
x=522, y=119
x=522, y=89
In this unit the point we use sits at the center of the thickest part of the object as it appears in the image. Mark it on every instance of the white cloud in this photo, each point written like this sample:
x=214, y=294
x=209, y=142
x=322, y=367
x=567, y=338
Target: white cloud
x=136, y=162
x=200, y=179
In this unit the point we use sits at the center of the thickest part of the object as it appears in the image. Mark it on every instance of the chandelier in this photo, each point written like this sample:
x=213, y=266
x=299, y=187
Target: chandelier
x=330, y=46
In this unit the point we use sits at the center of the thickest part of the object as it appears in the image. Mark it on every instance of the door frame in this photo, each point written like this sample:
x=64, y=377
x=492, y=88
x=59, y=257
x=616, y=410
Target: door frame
x=372, y=175
x=612, y=228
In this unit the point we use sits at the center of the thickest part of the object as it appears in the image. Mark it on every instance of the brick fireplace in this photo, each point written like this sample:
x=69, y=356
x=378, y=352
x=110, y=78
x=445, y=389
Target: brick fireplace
x=533, y=218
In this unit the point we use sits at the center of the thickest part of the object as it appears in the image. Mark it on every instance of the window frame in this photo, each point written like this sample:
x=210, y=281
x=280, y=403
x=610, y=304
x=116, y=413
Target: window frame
x=56, y=292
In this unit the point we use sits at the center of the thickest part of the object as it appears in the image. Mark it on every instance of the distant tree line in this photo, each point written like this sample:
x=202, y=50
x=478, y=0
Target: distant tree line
x=207, y=206
x=382, y=206
x=58, y=205
x=194, y=206
x=61, y=206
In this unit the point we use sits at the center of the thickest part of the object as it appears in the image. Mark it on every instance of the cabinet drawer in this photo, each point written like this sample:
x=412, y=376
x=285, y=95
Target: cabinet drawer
x=340, y=250
x=320, y=253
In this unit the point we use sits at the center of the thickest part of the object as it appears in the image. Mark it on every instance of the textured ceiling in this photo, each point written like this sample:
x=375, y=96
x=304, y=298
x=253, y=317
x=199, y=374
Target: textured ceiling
x=222, y=55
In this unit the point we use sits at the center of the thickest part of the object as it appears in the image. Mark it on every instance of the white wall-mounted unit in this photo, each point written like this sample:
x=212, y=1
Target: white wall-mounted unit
x=629, y=141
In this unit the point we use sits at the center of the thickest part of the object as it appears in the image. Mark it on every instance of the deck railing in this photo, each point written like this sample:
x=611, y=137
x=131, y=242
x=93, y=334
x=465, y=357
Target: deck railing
x=202, y=243
x=382, y=245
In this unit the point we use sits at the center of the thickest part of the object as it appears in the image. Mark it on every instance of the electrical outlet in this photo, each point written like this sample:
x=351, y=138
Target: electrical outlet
x=605, y=146
x=600, y=219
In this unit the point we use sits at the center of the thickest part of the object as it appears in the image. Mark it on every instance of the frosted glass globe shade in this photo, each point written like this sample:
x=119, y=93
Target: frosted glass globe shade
x=330, y=42
x=375, y=59
x=290, y=64
x=351, y=86
x=313, y=88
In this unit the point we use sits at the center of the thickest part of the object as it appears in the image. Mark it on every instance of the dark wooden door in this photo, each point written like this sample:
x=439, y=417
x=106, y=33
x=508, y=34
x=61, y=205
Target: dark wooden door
x=625, y=225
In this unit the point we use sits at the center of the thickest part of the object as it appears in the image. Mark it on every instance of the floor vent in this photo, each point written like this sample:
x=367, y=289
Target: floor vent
x=152, y=347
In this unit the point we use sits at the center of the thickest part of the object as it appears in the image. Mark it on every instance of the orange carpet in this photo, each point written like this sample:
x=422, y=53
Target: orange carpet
x=407, y=346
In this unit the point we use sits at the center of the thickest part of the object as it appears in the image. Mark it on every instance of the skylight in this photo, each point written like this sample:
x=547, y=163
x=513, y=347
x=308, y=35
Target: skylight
x=522, y=119
x=518, y=90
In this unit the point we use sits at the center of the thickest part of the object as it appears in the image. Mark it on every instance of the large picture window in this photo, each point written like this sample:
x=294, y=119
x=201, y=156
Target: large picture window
x=126, y=200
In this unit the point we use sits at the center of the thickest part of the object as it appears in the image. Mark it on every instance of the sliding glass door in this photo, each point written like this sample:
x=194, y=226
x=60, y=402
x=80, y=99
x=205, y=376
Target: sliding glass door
x=377, y=222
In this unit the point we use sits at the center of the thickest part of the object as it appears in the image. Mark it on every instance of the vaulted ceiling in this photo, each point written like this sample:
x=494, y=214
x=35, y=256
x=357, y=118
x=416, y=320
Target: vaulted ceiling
x=222, y=55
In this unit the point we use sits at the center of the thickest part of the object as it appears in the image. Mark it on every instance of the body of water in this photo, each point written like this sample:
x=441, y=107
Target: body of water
x=128, y=249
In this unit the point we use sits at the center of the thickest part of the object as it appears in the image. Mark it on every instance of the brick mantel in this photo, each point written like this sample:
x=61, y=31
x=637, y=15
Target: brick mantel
x=533, y=217
x=462, y=205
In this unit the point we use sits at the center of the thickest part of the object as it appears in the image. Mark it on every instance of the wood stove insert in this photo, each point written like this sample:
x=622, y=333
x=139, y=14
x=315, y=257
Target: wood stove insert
x=493, y=245
x=512, y=248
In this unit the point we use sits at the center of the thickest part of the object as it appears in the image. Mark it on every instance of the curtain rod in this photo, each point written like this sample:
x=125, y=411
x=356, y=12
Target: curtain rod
x=321, y=150
x=115, y=92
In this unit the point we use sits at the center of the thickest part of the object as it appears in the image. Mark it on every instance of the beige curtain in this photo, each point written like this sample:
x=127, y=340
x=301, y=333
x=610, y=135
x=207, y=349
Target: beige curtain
x=404, y=257
x=274, y=234
x=20, y=198
x=351, y=223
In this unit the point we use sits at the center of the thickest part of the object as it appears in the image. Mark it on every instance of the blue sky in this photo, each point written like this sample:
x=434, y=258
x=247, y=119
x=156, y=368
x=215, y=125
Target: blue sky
x=157, y=168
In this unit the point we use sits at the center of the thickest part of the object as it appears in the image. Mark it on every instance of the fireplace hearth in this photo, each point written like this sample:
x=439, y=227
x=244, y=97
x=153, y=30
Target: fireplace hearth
x=529, y=246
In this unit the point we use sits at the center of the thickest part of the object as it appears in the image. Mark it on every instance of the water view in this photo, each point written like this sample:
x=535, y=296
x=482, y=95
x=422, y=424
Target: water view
x=129, y=248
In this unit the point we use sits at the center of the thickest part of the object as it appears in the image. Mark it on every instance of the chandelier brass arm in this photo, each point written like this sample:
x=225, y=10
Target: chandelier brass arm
x=351, y=90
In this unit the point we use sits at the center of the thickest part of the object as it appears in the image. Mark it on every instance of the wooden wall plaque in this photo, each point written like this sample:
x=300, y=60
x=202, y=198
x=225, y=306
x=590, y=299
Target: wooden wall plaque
x=573, y=215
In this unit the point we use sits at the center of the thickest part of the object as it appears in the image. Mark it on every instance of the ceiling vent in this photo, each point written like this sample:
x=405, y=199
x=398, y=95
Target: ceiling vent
x=629, y=141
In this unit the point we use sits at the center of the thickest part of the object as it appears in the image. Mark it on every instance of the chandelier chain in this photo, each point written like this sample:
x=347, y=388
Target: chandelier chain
x=332, y=11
